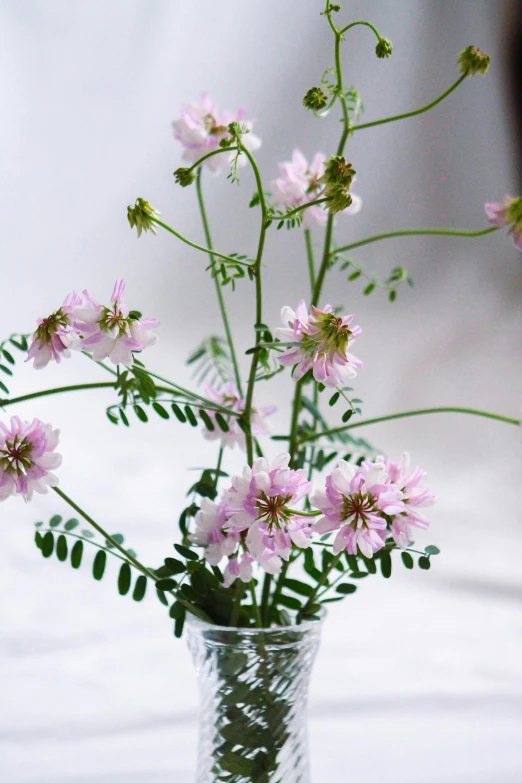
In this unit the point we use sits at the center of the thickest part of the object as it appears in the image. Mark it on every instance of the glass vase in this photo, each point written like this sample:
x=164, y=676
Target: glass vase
x=253, y=693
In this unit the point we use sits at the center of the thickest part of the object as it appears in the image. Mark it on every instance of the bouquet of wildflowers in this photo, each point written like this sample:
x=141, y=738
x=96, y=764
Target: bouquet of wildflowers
x=270, y=546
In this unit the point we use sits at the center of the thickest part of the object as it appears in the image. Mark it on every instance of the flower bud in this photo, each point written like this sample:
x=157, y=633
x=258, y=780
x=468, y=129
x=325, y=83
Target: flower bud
x=338, y=172
x=315, y=99
x=384, y=48
x=339, y=199
x=472, y=60
x=140, y=216
x=184, y=177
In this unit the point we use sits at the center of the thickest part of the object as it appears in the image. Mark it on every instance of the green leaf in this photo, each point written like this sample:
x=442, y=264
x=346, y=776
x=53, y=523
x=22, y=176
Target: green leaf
x=71, y=524
x=176, y=610
x=432, y=550
x=87, y=534
x=178, y=413
x=333, y=399
x=140, y=413
x=179, y=622
x=38, y=539
x=347, y=416
x=236, y=764
x=4, y=387
x=76, y=554
x=222, y=422
x=8, y=356
x=290, y=602
x=346, y=588
x=174, y=566
x=118, y=537
x=407, y=560
x=123, y=417
x=112, y=418
x=48, y=544
x=5, y=369
x=55, y=521
x=124, y=579
x=166, y=584
x=189, y=413
x=370, y=564
x=424, y=563
x=369, y=288
x=354, y=275
x=98, y=566
x=301, y=588
x=185, y=552
x=161, y=597
x=392, y=296
x=207, y=421
x=386, y=565
x=61, y=549
x=160, y=410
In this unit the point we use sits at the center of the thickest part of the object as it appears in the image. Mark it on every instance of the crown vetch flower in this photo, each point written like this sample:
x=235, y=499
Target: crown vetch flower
x=228, y=396
x=301, y=183
x=27, y=457
x=238, y=566
x=473, y=60
x=55, y=335
x=140, y=216
x=113, y=332
x=354, y=503
x=210, y=534
x=414, y=495
x=258, y=503
x=322, y=341
x=202, y=127
x=507, y=214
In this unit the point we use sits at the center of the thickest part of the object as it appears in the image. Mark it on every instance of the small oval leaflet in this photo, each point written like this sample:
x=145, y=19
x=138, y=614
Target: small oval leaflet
x=124, y=579
x=61, y=549
x=98, y=566
x=76, y=554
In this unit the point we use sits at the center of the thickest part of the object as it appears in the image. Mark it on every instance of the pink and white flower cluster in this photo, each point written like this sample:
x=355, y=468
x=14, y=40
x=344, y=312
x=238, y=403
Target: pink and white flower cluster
x=83, y=324
x=322, y=341
x=255, y=512
x=228, y=397
x=27, y=457
x=363, y=504
x=256, y=521
x=202, y=126
x=507, y=214
x=301, y=183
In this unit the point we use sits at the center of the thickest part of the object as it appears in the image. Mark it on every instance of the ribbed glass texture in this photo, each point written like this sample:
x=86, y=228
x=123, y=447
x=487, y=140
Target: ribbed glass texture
x=253, y=691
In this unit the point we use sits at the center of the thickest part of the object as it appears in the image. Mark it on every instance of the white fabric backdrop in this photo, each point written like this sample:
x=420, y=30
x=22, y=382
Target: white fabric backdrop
x=418, y=679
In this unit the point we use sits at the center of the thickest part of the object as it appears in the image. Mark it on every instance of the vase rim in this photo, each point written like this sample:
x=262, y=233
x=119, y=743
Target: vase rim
x=196, y=622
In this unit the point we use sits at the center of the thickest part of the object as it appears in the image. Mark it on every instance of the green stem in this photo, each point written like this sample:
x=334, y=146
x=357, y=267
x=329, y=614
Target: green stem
x=310, y=257
x=451, y=232
x=279, y=587
x=219, y=292
x=130, y=558
x=265, y=599
x=296, y=409
x=218, y=466
x=303, y=207
x=219, y=151
x=57, y=390
x=406, y=414
x=324, y=578
x=259, y=621
x=206, y=250
x=259, y=310
x=366, y=24
x=411, y=113
x=237, y=603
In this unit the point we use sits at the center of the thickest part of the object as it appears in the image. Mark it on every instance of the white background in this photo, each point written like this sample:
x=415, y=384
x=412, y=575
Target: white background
x=418, y=678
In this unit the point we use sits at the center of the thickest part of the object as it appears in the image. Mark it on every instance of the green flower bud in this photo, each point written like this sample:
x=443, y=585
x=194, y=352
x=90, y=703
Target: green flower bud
x=184, y=177
x=315, y=99
x=140, y=215
x=384, y=48
x=338, y=172
x=472, y=60
x=339, y=199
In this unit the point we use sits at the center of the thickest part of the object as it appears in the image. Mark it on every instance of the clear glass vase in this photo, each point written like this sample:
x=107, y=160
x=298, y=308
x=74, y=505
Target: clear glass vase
x=253, y=694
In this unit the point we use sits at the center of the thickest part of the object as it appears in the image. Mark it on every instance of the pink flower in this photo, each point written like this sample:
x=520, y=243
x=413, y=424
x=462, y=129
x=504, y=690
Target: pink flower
x=113, y=332
x=201, y=128
x=210, y=534
x=301, y=183
x=413, y=496
x=27, y=456
x=353, y=503
x=258, y=503
x=238, y=566
x=322, y=340
x=229, y=397
x=507, y=214
x=55, y=335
